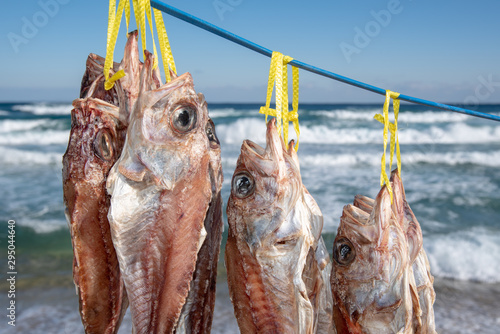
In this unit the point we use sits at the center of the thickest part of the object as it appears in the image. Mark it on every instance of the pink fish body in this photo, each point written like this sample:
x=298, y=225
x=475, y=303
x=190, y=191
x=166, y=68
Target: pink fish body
x=95, y=143
x=372, y=283
x=277, y=264
x=164, y=191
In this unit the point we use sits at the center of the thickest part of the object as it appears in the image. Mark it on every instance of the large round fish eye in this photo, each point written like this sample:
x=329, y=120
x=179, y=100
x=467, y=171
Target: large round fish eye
x=103, y=145
x=184, y=118
x=212, y=137
x=343, y=252
x=243, y=185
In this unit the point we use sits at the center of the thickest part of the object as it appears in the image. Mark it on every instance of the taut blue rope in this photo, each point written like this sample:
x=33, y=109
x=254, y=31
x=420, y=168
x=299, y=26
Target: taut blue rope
x=262, y=50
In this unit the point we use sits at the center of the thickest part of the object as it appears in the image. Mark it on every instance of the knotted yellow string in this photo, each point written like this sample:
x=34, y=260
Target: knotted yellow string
x=114, y=20
x=142, y=12
x=278, y=74
x=393, y=129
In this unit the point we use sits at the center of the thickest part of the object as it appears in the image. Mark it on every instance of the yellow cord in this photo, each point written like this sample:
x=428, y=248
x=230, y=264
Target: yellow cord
x=142, y=12
x=393, y=129
x=278, y=74
x=166, y=52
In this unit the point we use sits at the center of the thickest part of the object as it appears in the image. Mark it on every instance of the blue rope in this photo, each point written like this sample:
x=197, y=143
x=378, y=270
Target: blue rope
x=262, y=50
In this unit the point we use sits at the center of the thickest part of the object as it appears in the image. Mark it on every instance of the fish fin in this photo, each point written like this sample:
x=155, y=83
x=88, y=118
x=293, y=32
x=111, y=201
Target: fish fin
x=131, y=62
x=291, y=151
x=364, y=203
x=360, y=222
x=413, y=233
x=197, y=314
x=417, y=310
x=146, y=76
x=274, y=141
x=405, y=217
x=399, y=196
x=382, y=214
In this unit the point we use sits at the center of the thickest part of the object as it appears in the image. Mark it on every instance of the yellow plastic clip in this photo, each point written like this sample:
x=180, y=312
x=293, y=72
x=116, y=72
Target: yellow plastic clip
x=393, y=129
x=278, y=75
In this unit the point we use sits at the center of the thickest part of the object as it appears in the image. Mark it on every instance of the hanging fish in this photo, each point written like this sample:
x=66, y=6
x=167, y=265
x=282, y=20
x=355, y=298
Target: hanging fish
x=95, y=143
x=165, y=213
x=98, y=128
x=277, y=264
x=423, y=320
x=372, y=282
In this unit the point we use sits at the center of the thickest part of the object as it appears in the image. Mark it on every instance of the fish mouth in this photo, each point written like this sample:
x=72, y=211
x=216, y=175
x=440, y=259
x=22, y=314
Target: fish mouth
x=252, y=148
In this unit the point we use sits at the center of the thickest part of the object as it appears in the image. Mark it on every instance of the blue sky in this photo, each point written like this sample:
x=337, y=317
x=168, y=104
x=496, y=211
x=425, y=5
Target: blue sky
x=445, y=51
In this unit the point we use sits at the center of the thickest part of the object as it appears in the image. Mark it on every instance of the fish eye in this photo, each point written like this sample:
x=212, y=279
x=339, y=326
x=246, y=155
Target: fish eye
x=343, y=252
x=184, y=118
x=243, y=185
x=103, y=145
x=210, y=130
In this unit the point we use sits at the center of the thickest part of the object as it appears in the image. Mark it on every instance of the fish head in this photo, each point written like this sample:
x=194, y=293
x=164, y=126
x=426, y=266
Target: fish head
x=265, y=187
x=95, y=142
x=95, y=139
x=370, y=267
x=274, y=223
x=170, y=132
x=163, y=191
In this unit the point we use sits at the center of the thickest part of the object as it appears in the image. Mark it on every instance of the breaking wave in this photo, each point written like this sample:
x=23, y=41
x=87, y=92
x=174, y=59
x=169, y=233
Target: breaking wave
x=10, y=156
x=41, y=226
x=404, y=117
x=44, y=108
x=48, y=137
x=466, y=255
x=7, y=126
x=454, y=133
x=490, y=159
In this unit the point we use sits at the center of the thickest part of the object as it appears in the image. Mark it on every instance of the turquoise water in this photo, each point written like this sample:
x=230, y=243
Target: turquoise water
x=451, y=172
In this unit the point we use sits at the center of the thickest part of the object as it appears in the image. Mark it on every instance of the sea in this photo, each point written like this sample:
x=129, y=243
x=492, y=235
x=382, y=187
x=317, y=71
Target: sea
x=450, y=169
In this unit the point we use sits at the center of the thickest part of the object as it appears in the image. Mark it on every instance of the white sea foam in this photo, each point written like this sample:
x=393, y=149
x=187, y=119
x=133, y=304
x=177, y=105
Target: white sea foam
x=458, y=133
x=454, y=133
x=490, y=159
x=23, y=157
x=466, y=255
x=43, y=225
x=3, y=113
x=227, y=112
x=243, y=128
x=404, y=117
x=45, y=108
x=25, y=125
x=47, y=137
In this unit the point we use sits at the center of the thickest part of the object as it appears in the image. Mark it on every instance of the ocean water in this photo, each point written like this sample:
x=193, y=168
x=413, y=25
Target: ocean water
x=450, y=169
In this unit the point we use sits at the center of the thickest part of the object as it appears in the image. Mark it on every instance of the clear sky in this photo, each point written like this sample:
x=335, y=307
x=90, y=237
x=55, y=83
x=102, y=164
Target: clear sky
x=445, y=51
